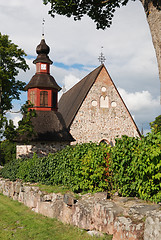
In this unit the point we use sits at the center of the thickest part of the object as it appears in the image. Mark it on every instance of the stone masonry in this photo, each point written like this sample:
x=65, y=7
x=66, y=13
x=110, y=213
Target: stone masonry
x=124, y=218
x=40, y=148
x=102, y=115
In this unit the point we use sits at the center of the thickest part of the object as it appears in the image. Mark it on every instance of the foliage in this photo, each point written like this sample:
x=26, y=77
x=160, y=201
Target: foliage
x=81, y=168
x=136, y=167
x=156, y=125
x=11, y=61
x=100, y=11
x=7, y=151
x=132, y=168
x=25, y=127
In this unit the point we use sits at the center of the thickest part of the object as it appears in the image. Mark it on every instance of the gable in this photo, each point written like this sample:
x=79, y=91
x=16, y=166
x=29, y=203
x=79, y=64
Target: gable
x=95, y=103
x=71, y=101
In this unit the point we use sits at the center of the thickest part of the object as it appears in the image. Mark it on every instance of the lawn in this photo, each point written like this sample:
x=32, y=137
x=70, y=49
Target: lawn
x=17, y=222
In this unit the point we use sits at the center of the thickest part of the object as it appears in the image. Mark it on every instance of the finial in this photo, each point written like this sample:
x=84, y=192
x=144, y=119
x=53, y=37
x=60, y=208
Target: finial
x=63, y=89
x=43, y=22
x=101, y=58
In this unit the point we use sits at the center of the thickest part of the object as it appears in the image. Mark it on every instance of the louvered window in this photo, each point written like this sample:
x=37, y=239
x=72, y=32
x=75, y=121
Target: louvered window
x=32, y=97
x=44, y=99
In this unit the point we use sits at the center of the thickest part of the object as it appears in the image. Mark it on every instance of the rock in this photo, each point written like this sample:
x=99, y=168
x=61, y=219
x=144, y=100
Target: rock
x=95, y=233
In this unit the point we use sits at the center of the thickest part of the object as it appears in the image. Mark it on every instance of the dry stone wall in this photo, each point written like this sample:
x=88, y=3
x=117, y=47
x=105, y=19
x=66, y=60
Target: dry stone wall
x=124, y=218
x=102, y=115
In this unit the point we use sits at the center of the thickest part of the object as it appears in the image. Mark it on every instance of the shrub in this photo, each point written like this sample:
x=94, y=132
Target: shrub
x=81, y=168
x=7, y=151
x=136, y=166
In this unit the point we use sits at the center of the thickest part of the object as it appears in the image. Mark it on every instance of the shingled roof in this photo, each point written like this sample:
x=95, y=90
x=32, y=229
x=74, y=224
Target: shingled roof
x=42, y=80
x=72, y=100
x=48, y=126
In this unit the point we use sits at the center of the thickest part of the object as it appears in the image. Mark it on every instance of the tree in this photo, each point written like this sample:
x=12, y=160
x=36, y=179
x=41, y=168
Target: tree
x=25, y=127
x=11, y=61
x=102, y=12
x=156, y=125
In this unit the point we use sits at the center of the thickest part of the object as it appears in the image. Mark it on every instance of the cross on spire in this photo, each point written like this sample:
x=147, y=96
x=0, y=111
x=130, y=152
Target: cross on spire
x=43, y=22
x=101, y=58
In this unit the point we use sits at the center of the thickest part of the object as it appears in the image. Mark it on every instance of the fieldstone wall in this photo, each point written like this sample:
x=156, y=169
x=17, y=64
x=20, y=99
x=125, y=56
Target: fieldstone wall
x=103, y=115
x=124, y=218
x=40, y=148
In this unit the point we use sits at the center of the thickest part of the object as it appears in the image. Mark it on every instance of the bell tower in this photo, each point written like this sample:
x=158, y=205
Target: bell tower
x=42, y=88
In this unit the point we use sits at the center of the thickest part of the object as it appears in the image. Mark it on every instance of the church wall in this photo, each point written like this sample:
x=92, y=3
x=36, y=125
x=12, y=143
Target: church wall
x=41, y=149
x=103, y=115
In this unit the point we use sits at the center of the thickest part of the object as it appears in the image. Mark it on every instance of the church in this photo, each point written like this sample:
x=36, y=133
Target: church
x=91, y=111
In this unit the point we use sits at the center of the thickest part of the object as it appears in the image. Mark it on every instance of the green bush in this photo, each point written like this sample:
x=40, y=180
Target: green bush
x=81, y=167
x=132, y=167
x=136, y=166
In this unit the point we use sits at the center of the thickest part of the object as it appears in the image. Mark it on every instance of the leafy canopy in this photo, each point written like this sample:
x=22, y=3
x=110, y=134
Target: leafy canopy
x=11, y=62
x=100, y=11
x=156, y=125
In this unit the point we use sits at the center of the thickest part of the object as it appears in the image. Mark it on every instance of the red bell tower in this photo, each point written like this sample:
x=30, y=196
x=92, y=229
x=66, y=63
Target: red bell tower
x=42, y=88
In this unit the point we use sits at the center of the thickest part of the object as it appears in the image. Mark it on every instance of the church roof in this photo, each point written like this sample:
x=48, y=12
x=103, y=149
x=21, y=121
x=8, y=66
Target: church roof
x=42, y=80
x=71, y=101
x=48, y=126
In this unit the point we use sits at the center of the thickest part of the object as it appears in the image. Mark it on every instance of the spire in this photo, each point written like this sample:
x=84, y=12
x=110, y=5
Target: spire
x=43, y=23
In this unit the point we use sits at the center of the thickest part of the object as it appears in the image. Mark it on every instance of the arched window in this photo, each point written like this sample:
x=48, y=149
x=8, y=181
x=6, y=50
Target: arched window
x=44, y=99
x=104, y=103
x=32, y=97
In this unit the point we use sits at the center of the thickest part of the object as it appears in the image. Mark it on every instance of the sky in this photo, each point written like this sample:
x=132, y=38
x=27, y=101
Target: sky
x=76, y=45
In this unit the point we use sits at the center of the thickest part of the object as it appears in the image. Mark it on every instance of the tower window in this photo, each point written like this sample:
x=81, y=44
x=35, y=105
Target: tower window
x=54, y=100
x=44, y=99
x=32, y=97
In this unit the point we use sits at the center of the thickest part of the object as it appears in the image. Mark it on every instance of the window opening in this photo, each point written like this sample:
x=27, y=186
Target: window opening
x=44, y=99
x=104, y=102
x=32, y=97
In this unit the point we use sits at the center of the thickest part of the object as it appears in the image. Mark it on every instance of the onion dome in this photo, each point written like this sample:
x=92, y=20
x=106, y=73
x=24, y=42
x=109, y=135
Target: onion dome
x=42, y=50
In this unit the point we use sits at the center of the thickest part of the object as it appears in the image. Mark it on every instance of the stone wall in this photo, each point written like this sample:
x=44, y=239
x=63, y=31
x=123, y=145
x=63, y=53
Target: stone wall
x=103, y=115
x=124, y=218
x=40, y=148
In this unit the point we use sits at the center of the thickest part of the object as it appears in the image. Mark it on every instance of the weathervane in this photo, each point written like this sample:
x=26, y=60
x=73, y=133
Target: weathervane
x=101, y=58
x=43, y=22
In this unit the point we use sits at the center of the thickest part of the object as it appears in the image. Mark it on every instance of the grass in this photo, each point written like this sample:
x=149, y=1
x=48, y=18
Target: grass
x=18, y=222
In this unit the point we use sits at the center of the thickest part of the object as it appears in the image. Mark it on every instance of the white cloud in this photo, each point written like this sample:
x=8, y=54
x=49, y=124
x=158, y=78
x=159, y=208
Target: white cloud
x=138, y=101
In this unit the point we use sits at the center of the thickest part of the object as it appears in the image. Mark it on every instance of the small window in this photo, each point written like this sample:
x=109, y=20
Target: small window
x=54, y=100
x=44, y=99
x=32, y=97
x=104, y=102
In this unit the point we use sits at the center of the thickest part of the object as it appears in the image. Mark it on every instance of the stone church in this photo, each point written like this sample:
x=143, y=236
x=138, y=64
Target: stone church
x=92, y=110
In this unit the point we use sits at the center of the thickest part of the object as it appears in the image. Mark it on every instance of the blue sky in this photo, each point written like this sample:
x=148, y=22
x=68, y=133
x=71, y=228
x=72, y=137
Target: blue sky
x=75, y=48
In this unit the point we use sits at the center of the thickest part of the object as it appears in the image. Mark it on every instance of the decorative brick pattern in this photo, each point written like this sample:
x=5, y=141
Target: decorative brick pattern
x=95, y=123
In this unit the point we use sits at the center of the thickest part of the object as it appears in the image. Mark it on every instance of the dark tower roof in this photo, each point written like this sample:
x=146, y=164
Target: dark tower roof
x=42, y=81
x=42, y=50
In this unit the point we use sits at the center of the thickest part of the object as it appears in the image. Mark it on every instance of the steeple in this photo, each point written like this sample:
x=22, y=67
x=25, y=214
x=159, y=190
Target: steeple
x=42, y=88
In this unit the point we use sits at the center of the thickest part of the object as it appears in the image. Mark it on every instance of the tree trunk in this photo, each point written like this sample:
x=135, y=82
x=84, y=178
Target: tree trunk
x=153, y=14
